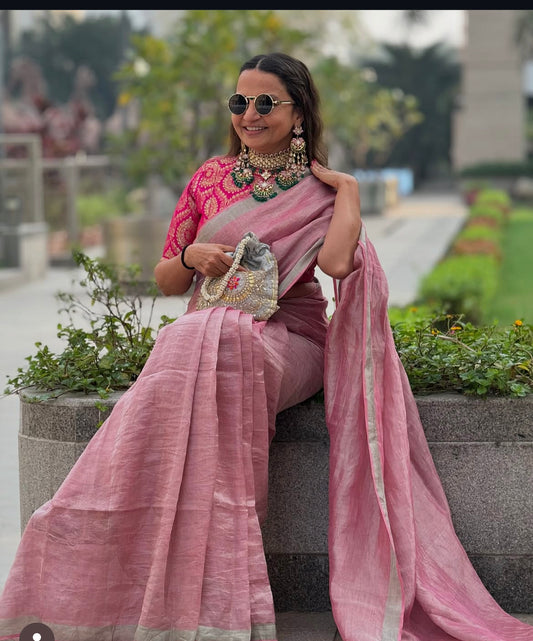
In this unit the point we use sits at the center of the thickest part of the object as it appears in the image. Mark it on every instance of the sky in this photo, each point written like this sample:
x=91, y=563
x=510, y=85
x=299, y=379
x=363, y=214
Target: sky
x=446, y=25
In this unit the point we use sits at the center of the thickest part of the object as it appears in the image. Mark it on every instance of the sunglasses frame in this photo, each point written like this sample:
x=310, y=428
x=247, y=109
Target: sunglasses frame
x=275, y=103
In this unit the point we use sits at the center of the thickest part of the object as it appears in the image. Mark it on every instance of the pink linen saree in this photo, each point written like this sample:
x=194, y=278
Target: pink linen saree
x=155, y=533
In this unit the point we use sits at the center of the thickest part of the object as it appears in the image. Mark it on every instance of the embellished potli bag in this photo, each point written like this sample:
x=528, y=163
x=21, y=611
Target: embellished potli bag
x=254, y=290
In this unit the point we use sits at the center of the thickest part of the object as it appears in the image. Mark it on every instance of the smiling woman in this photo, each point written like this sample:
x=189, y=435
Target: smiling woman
x=156, y=531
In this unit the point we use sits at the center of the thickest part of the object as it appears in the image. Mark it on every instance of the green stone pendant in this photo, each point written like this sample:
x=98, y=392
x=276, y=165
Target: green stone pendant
x=286, y=179
x=263, y=191
x=242, y=177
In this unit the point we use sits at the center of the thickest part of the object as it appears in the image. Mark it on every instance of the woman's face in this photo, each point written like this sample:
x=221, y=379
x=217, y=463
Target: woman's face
x=273, y=132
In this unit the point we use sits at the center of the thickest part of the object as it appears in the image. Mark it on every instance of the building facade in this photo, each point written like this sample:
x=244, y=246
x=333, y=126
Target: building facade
x=490, y=123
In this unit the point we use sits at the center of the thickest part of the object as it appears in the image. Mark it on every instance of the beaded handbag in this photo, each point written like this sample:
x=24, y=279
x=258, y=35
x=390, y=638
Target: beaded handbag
x=254, y=291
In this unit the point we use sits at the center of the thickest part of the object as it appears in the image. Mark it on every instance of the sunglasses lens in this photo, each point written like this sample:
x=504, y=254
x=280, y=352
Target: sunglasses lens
x=237, y=104
x=263, y=104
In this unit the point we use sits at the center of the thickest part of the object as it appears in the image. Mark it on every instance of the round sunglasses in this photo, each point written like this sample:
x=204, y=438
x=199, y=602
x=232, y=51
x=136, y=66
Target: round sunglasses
x=263, y=103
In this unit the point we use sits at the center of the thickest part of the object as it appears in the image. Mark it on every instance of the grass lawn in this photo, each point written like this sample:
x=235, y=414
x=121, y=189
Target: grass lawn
x=514, y=295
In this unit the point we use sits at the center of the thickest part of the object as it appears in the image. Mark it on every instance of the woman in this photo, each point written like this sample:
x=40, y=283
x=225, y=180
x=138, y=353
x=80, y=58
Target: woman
x=155, y=533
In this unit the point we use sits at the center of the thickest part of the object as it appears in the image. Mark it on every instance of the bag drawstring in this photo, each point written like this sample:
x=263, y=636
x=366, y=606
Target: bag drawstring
x=223, y=282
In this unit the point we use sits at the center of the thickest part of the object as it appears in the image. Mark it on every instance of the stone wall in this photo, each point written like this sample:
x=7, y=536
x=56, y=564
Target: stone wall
x=483, y=451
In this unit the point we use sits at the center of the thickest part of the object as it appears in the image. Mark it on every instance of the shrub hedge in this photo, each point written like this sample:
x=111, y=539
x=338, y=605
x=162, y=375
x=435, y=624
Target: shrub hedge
x=465, y=280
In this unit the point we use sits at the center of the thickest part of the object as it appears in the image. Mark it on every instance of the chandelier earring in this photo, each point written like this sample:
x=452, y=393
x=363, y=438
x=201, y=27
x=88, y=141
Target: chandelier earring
x=242, y=173
x=296, y=163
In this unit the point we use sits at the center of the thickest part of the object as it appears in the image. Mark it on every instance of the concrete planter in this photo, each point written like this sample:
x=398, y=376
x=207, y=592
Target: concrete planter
x=52, y=435
x=483, y=451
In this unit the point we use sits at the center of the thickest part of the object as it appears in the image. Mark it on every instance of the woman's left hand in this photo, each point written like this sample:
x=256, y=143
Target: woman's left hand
x=336, y=254
x=330, y=177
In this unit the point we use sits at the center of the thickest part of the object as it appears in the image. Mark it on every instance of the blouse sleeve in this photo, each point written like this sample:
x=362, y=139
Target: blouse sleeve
x=184, y=222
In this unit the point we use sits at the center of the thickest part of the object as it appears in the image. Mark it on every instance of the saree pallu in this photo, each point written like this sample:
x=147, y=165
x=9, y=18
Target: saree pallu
x=155, y=533
x=397, y=569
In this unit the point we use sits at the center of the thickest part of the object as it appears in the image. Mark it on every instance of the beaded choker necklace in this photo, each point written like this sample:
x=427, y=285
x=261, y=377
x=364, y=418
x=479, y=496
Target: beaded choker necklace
x=269, y=162
x=267, y=170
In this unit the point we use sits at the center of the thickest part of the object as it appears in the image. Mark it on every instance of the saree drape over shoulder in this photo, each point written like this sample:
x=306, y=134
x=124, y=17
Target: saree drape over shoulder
x=156, y=532
x=397, y=568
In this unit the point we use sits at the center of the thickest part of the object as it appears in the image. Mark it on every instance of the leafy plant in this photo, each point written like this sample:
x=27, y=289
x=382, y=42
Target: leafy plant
x=443, y=354
x=108, y=349
x=477, y=239
x=497, y=198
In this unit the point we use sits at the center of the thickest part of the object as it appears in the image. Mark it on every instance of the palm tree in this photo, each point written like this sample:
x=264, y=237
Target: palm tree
x=432, y=75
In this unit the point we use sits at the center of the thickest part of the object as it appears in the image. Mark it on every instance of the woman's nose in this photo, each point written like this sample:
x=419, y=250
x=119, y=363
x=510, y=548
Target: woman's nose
x=251, y=113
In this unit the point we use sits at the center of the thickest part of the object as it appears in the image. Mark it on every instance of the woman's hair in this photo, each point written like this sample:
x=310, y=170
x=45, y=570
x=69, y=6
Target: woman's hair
x=297, y=79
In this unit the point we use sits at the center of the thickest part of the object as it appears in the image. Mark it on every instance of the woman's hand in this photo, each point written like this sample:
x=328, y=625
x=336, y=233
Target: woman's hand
x=336, y=254
x=210, y=259
x=335, y=179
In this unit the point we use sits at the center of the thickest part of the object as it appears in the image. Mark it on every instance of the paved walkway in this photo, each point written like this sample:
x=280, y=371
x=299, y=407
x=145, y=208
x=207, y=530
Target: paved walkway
x=410, y=238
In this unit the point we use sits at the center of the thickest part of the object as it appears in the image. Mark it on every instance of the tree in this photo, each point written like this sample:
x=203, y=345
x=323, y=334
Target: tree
x=181, y=85
x=413, y=18
x=365, y=120
x=432, y=75
x=62, y=45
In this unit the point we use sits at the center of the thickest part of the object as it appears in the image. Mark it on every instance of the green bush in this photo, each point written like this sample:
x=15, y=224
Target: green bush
x=107, y=350
x=97, y=207
x=497, y=198
x=479, y=232
x=411, y=313
x=444, y=353
x=496, y=169
x=461, y=284
x=486, y=213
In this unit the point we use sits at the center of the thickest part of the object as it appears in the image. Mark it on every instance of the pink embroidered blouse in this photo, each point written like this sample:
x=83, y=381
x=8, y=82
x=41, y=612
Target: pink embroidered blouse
x=210, y=190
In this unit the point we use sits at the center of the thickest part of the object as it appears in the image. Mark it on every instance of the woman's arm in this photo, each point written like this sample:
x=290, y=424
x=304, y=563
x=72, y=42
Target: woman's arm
x=335, y=257
x=210, y=259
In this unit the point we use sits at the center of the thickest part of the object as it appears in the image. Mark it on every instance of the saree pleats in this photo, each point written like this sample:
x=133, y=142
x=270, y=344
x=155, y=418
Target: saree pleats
x=155, y=532
x=397, y=569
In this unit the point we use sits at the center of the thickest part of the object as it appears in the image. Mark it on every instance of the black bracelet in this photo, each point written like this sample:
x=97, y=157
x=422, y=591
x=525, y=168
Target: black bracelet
x=183, y=260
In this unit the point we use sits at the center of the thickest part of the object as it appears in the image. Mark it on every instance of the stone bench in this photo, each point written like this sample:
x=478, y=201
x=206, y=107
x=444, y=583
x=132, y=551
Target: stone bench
x=483, y=451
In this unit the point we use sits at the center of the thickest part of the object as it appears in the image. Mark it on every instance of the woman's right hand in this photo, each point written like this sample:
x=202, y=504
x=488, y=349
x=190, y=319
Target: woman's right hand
x=210, y=259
